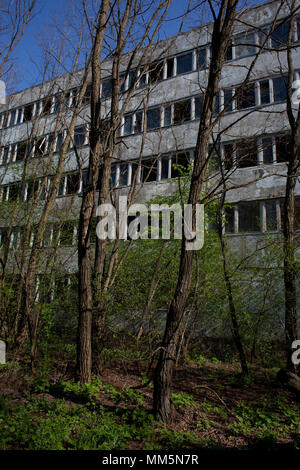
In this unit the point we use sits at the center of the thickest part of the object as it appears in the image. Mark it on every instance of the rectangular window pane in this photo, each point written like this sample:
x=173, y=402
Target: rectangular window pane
x=246, y=97
x=264, y=92
x=180, y=163
x=198, y=106
x=164, y=168
x=282, y=148
x=246, y=153
x=12, y=117
x=182, y=111
x=202, y=62
x=40, y=147
x=153, y=118
x=243, y=45
x=185, y=63
x=106, y=88
x=19, y=116
x=128, y=124
x=138, y=122
x=168, y=116
x=229, y=219
x=73, y=182
x=113, y=174
x=59, y=142
x=228, y=156
x=271, y=217
x=5, y=153
x=28, y=113
x=279, y=37
x=249, y=217
x=87, y=95
x=279, y=87
x=267, y=148
x=123, y=174
x=79, y=136
x=149, y=170
x=155, y=72
x=228, y=103
x=21, y=151
x=228, y=54
x=170, y=68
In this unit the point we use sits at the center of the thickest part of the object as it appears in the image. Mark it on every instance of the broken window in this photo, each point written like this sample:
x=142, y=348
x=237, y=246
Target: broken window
x=185, y=63
x=155, y=72
x=180, y=164
x=228, y=156
x=106, y=88
x=267, y=148
x=138, y=124
x=170, y=67
x=198, y=106
x=164, y=168
x=73, y=183
x=264, y=92
x=246, y=153
x=123, y=180
x=246, y=96
x=168, y=116
x=149, y=170
x=182, y=111
x=153, y=118
x=202, y=61
x=271, y=215
x=279, y=88
x=249, y=216
x=46, y=106
x=282, y=148
x=245, y=45
x=40, y=147
x=279, y=36
x=28, y=113
x=228, y=101
x=79, y=136
x=128, y=120
x=21, y=151
x=32, y=189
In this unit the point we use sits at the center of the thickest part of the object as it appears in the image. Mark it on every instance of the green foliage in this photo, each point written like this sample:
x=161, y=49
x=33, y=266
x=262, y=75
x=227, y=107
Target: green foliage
x=87, y=392
x=183, y=400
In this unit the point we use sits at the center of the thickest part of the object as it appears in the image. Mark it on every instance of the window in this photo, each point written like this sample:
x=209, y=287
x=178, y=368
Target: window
x=4, y=155
x=279, y=87
x=128, y=120
x=245, y=45
x=104, y=130
x=271, y=215
x=170, y=68
x=57, y=102
x=202, y=61
x=198, y=106
x=59, y=142
x=87, y=95
x=168, y=116
x=249, y=216
x=106, y=88
x=185, y=63
x=149, y=170
x=138, y=122
x=13, y=114
x=21, y=151
x=19, y=116
x=14, y=192
x=32, y=189
x=228, y=156
x=28, y=113
x=180, y=163
x=40, y=147
x=113, y=175
x=155, y=72
x=79, y=136
x=46, y=106
x=228, y=53
x=73, y=183
x=267, y=149
x=123, y=174
x=5, y=120
x=229, y=219
x=246, y=96
x=182, y=111
x=282, y=148
x=164, y=168
x=246, y=153
x=153, y=118
x=264, y=92
x=279, y=36
x=61, y=186
x=228, y=101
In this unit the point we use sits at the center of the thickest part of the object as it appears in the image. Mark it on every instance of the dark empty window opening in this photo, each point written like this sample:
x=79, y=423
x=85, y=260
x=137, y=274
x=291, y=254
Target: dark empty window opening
x=229, y=219
x=246, y=97
x=282, y=148
x=182, y=111
x=198, y=106
x=128, y=119
x=155, y=72
x=279, y=36
x=264, y=92
x=202, y=61
x=138, y=122
x=228, y=101
x=170, y=68
x=149, y=170
x=106, y=88
x=14, y=192
x=73, y=183
x=271, y=215
x=168, y=116
x=59, y=142
x=185, y=63
x=228, y=156
x=123, y=180
x=40, y=147
x=87, y=95
x=32, y=189
x=28, y=113
x=5, y=154
x=79, y=136
x=246, y=154
x=228, y=53
x=46, y=106
x=279, y=88
x=245, y=45
x=164, y=168
x=21, y=151
x=180, y=164
x=249, y=217
x=153, y=118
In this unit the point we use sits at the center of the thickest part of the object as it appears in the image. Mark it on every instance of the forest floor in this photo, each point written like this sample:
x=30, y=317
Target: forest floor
x=214, y=408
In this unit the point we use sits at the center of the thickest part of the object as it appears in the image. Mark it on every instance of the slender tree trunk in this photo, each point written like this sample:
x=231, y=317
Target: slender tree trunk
x=176, y=315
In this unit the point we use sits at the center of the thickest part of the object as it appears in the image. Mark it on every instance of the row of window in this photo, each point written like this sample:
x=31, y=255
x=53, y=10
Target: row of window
x=40, y=146
x=271, y=90
x=258, y=216
x=242, y=46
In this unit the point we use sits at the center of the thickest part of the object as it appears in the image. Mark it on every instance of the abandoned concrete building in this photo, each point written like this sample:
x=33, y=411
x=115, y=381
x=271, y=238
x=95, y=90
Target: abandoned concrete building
x=252, y=135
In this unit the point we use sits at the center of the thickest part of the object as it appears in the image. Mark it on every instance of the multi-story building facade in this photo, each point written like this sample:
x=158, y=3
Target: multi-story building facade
x=252, y=133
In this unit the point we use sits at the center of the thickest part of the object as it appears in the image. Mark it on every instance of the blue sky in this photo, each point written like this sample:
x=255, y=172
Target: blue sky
x=28, y=54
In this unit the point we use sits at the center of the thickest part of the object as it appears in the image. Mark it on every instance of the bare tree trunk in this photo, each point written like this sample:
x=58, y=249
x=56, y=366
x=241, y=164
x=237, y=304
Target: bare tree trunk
x=164, y=370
